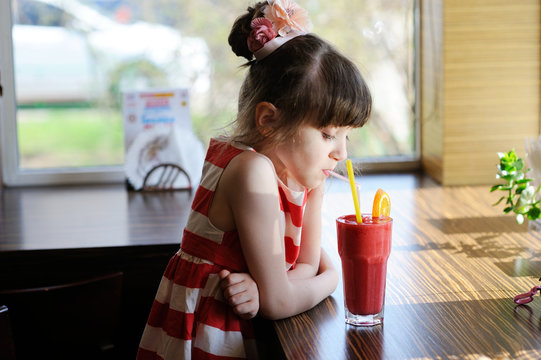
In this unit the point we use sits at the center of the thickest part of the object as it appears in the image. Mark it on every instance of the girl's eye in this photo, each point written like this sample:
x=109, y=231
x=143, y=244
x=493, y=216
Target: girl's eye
x=327, y=136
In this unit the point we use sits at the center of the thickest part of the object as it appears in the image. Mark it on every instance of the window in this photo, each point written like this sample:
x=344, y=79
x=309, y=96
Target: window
x=64, y=64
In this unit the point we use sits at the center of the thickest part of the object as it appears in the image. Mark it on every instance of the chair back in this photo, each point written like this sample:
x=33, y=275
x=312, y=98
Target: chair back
x=77, y=320
x=7, y=347
x=166, y=176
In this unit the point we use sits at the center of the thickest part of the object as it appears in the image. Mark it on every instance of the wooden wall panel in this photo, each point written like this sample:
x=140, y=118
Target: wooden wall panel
x=491, y=84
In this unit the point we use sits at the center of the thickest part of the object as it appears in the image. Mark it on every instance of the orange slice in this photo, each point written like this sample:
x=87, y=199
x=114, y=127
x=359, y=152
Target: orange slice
x=382, y=204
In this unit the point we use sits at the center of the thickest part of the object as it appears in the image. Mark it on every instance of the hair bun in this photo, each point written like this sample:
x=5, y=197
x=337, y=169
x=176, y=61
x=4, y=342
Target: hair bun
x=238, y=37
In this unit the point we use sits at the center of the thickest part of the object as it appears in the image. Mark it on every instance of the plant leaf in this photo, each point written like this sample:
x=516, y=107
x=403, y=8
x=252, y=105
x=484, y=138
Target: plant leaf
x=521, y=188
x=519, y=164
x=534, y=213
x=509, y=177
x=496, y=187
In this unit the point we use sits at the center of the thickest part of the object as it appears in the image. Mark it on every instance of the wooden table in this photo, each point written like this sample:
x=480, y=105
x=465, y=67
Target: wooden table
x=455, y=265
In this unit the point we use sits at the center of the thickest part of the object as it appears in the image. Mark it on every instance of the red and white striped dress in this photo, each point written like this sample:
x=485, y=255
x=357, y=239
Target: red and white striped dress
x=189, y=318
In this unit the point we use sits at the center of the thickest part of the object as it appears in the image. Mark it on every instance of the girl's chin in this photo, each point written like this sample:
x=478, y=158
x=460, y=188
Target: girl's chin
x=315, y=183
x=312, y=181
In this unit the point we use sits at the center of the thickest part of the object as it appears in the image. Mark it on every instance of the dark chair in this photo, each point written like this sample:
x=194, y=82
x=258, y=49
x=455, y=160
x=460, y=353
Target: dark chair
x=78, y=320
x=7, y=347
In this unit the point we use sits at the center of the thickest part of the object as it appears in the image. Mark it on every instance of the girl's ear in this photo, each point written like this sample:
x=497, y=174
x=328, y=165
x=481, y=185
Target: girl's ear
x=266, y=117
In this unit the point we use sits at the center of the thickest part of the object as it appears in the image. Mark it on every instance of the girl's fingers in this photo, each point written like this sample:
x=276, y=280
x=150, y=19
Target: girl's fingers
x=241, y=293
x=238, y=298
x=228, y=279
x=246, y=310
x=232, y=290
x=223, y=274
x=225, y=278
x=233, y=278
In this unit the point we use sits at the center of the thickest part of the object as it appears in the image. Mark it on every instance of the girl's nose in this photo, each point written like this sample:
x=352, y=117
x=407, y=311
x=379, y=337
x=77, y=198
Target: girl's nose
x=339, y=152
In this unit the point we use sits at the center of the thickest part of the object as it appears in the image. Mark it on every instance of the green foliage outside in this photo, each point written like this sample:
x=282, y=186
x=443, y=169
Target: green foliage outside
x=58, y=137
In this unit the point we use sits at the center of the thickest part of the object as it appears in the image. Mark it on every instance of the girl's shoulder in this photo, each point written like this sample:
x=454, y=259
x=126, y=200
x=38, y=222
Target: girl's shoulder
x=252, y=169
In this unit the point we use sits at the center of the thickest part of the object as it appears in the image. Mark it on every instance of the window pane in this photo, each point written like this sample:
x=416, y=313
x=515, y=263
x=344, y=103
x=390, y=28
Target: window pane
x=74, y=58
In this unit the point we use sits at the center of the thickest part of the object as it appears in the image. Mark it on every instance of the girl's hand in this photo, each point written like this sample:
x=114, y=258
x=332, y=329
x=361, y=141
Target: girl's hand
x=241, y=292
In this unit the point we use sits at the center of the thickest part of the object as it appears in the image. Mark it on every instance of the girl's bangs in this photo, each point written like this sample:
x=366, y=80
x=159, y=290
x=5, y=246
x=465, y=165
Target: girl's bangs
x=341, y=105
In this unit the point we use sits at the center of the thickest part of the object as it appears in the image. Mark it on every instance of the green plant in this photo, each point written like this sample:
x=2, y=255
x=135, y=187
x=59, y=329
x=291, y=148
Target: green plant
x=521, y=196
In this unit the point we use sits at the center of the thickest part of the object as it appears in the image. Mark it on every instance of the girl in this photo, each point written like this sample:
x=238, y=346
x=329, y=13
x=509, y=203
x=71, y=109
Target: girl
x=252, y=242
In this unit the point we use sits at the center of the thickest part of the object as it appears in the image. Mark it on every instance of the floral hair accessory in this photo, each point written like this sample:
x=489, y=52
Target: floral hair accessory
x=283, y=20
x=286, y=16
x=262, y=32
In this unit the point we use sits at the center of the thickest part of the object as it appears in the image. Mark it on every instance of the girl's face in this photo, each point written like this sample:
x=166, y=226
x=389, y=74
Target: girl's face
x=310, y=153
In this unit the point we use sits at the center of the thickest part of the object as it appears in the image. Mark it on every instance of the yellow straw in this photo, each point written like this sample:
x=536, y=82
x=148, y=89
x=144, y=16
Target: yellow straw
x=354, y=191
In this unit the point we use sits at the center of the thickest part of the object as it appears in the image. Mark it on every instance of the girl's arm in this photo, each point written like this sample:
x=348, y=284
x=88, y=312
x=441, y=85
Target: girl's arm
x=309, y=255
x=252, y=195
x=240, y=289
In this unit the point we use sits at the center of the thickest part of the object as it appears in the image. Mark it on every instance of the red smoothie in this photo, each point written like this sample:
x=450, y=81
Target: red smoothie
x=364, y=250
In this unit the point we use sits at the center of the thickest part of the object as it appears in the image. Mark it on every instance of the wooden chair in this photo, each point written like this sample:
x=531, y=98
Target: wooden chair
x=78, y=320
x=7, y=347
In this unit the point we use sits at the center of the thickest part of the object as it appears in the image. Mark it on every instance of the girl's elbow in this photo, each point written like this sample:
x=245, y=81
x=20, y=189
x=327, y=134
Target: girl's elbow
x=274, y=309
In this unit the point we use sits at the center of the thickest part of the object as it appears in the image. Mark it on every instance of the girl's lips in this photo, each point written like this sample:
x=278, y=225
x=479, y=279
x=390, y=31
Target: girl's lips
x=338, y=176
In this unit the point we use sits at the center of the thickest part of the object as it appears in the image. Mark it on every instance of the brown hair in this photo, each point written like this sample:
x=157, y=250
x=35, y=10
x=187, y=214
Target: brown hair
x=306, y=79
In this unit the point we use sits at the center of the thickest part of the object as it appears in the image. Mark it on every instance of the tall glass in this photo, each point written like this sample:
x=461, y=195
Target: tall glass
x=364, y=249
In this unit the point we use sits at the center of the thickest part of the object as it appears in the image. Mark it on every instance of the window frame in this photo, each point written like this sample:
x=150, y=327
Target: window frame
x=14, y=176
